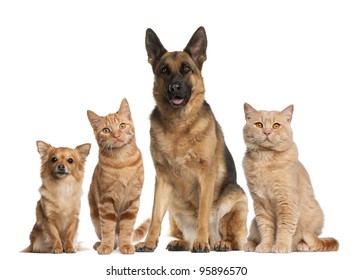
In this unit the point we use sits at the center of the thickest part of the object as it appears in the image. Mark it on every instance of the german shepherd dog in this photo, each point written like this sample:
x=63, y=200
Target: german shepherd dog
x=195, y=172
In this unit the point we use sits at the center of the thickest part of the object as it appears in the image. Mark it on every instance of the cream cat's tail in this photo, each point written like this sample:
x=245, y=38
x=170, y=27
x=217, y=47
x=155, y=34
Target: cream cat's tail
x=141, y=231
x=317, y=244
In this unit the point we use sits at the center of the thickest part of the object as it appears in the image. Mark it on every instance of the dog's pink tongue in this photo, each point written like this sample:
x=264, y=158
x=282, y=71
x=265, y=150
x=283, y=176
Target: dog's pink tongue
x=177, y=101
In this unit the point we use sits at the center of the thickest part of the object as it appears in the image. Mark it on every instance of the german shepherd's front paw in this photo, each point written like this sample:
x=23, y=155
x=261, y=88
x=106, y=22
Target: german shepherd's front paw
x=200, y=247
x=145, y=247
x=223, y=246
x=178, y=245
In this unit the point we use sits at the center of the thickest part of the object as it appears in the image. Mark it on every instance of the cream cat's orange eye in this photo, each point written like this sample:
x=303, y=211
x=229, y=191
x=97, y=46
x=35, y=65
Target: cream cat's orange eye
x=259, y=125
x=276, y=125
x=122, y=126
x=106, y=130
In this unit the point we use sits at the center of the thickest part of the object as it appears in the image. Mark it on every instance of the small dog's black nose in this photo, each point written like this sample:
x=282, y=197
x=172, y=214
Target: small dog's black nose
x=61, y=166
x=175, y=87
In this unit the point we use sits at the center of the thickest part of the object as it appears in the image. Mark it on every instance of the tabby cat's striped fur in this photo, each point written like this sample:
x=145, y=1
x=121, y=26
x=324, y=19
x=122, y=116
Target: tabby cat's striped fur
x=117, y=182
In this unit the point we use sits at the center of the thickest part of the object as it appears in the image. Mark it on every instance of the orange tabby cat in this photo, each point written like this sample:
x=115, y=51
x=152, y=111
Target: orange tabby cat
x=117, y=182
x=287, y=215
x=59, y=205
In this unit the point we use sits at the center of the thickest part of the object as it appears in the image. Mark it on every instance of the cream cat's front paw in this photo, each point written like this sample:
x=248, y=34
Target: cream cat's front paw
x=264, y=248
x=281, y=248
x=250, y=246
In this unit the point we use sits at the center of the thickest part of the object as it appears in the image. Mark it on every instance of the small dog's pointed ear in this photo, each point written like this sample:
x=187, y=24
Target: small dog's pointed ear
x=43, y=148
x=197, y=47
x=155, y=48
x=84, y=150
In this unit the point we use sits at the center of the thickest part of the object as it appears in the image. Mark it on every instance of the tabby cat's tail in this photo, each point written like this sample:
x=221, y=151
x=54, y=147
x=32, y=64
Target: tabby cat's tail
x=141, y=231
x=317, y=244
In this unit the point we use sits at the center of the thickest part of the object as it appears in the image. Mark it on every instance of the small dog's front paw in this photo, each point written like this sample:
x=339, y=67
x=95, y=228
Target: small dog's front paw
x=145, y=247
x=57, y=250
x=69, y=248
x=200, y=247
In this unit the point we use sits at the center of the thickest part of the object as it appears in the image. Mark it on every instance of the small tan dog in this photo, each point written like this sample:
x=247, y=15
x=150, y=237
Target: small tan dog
x=60, y=202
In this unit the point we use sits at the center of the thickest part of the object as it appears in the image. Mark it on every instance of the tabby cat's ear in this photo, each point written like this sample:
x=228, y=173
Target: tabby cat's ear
x=94, y=119
x=43, y=148
x=288, y=112
x=248, y=111
x=124, y=110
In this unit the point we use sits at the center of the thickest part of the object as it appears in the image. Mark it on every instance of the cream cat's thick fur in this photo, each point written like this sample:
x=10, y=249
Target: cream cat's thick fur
x=287, y=215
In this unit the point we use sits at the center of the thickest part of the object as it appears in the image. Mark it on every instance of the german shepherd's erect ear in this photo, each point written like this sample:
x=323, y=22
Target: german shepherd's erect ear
x=155, y=48
x=197, y=47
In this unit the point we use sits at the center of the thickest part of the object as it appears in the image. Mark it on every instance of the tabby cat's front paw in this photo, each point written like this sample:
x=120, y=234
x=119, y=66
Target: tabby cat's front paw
x=281, y=248
x=127, y=249
x=104, y=250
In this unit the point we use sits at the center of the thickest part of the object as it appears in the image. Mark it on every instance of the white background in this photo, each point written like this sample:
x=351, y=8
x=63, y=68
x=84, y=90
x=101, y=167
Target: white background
x=60, y=58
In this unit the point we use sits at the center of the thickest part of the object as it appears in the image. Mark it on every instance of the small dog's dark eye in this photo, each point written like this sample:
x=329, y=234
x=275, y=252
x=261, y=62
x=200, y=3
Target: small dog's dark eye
x=53, y=159
x=70, y=160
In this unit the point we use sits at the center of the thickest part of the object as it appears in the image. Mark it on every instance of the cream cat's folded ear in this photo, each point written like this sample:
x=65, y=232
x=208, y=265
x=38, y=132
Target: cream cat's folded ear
x=248, y=111
x=288, y=112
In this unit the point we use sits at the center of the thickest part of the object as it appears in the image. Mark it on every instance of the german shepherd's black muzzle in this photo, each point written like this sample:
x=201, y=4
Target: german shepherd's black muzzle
x=178, y=93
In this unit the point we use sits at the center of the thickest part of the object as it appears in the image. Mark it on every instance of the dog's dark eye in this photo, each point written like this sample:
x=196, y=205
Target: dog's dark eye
x=70, y=160
x=165, y=70
x=53, y=159
x=185, y=69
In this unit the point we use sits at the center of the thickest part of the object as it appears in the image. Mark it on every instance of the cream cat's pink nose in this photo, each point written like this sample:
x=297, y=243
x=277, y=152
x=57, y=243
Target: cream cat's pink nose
x=267, y=133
